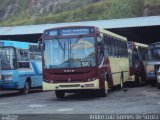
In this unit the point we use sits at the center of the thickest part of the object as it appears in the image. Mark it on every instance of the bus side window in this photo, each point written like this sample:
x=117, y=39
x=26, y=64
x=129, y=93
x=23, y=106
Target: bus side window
x=113, y=46
x=110, y=46
x=119, y=48
x=38, y=56
x=23, y=58
x=123, y=48
x=116, y=47
x=126, y=50
x=105, y=46
x=32, y=56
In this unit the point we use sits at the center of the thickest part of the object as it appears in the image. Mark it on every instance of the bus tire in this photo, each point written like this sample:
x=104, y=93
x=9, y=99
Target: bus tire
x=103, y=92
x=26, y=88
x=139, y=80
x=60, y=93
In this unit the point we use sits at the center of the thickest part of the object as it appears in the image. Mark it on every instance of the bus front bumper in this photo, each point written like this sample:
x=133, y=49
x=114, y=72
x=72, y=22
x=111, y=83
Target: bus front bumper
x=71, y=86
x=8, y=85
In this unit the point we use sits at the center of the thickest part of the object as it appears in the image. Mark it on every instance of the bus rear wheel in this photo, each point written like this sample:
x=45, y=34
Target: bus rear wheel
x=60, y=93
x=26, y=88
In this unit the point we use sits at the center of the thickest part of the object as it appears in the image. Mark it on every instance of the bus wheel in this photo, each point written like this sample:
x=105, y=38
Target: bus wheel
x=103, y=92
x=26, y=88
x=60, y=93
x=139, y=80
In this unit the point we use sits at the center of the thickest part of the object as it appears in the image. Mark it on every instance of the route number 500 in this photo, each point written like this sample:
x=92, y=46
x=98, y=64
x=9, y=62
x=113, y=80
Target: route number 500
x=85, y=63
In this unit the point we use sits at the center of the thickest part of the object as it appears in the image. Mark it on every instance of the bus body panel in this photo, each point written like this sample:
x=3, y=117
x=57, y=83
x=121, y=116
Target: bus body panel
x=20, y=76
x=119, y=65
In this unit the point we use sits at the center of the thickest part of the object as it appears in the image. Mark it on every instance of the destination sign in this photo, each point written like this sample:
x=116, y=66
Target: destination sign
x=74, y=32
x=68, y=32
x=53, y=33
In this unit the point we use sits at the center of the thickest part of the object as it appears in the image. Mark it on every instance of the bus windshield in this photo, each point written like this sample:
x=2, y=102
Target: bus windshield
x=69, y=52
x=7, y=58
x=154, y=54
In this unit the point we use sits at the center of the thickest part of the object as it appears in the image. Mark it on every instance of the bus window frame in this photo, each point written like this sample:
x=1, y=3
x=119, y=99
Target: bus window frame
x=16, y=62
x=21, y=61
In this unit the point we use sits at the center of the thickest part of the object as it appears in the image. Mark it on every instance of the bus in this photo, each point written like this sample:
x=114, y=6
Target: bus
x=137, y=52
x=77, y=58
x=20, y=66
x=152, y=64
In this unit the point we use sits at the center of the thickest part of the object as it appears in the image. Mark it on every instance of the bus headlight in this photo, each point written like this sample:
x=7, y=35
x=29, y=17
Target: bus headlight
x=7, y=77
x=91, y=79
x=150, y=68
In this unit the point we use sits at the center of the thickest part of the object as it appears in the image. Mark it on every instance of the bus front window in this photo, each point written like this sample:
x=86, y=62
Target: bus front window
x=7, y=56
x=69, y=52
x=154, y=54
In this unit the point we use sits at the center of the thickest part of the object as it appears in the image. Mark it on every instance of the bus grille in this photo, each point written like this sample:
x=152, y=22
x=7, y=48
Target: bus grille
x=75, y=85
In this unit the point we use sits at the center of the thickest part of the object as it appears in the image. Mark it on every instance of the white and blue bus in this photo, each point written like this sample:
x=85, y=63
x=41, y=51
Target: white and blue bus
x=20, y=66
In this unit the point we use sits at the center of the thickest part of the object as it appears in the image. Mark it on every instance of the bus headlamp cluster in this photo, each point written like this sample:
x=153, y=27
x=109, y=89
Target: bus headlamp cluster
x=7, y=77
x=150, y=69
x=91, y=79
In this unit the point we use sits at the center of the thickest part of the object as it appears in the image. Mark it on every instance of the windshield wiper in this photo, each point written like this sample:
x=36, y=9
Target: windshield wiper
x=60, y=45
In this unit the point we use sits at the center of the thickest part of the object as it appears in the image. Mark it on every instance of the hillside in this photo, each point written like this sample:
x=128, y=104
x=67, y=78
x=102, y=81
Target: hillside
x=25, y=12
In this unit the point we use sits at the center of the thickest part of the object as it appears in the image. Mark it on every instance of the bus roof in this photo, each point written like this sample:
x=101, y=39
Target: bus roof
x=16, y=44
x=68, y=27
x=155, y=43
x=140, y=44
x=112, y=34
x=100, y=29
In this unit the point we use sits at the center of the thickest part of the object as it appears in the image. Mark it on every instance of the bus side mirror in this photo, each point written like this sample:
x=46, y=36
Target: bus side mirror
x=101, y=47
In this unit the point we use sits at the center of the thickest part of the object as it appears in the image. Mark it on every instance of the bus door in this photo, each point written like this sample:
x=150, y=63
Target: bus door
x=136, y=61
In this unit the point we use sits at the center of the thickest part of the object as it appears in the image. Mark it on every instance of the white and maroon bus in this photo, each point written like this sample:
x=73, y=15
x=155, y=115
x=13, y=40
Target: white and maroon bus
x=137, y=53
x=77, y=58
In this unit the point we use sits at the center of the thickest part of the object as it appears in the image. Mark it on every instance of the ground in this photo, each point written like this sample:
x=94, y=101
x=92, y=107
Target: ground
x=136, y=100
